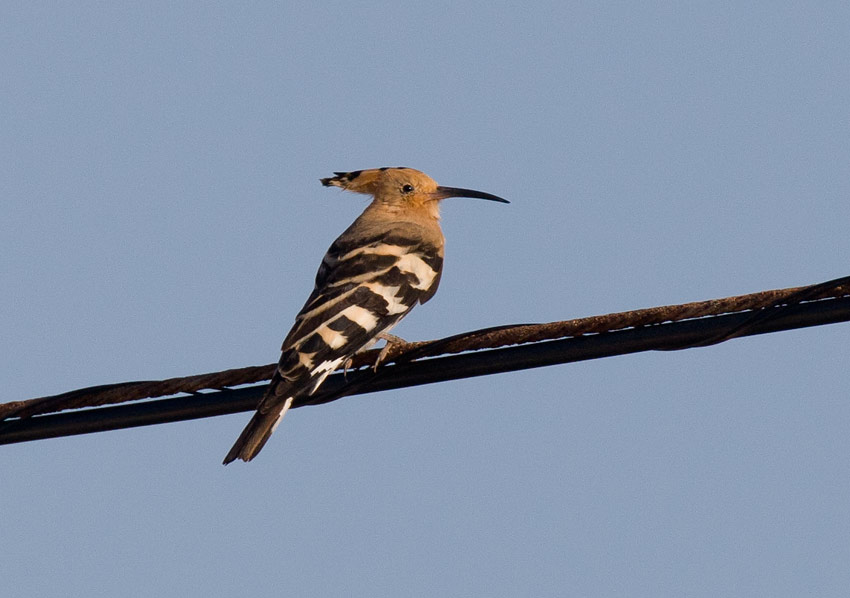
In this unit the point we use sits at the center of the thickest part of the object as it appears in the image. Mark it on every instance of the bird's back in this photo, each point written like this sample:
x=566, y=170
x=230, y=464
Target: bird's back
x=370, y=278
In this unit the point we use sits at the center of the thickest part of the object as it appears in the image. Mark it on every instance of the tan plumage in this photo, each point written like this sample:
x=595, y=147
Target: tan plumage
x=385, y=263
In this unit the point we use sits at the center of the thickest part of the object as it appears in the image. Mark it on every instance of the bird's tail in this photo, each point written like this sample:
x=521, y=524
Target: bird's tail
x=257, y=432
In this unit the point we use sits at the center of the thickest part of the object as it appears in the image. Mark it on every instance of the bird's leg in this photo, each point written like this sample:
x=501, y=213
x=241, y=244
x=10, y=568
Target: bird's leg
x=392, y=341
x=345, y=365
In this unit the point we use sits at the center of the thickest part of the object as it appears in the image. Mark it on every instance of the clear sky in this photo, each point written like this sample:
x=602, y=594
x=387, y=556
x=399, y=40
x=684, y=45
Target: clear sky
x=162, y=216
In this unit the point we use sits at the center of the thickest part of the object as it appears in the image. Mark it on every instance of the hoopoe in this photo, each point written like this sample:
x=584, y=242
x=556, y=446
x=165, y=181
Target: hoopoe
x=385, y=263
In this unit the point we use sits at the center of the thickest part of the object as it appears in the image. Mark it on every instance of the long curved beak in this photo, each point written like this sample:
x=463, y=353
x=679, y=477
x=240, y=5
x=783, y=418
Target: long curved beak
x=444, y=192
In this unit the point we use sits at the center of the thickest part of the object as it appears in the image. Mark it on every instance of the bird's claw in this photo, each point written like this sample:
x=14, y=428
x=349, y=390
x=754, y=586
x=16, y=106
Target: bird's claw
x=345, y=365
x=392, y=341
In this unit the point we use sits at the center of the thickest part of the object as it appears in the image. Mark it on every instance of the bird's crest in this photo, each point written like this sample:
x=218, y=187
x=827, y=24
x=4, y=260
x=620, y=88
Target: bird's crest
x=360, y=181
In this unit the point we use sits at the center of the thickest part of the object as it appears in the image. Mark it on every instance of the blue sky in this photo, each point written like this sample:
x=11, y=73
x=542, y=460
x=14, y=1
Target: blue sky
x=162, y=216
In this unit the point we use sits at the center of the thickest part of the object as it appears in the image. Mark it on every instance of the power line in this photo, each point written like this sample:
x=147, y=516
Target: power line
x=696, y=324
x=489, y=338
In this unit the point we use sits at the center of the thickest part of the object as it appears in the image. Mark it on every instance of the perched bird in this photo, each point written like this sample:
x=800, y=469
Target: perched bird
x=385, y=263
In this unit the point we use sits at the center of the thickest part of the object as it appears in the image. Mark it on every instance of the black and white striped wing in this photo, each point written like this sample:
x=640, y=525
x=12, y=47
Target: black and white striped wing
x=364, y=287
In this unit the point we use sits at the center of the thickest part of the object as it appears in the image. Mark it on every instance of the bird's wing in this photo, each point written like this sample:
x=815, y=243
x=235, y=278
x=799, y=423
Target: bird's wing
x=365, y=285
x=363, y=288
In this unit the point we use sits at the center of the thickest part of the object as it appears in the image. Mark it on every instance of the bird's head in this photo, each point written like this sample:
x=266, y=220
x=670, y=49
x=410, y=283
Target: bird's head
x=400, y=186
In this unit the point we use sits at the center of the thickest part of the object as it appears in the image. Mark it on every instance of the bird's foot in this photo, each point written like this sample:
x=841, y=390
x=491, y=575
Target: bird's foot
x=345, y=365
x=392, y=341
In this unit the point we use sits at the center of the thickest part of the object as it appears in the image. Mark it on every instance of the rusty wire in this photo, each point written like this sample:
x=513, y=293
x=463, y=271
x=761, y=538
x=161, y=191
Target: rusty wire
x=489, y=338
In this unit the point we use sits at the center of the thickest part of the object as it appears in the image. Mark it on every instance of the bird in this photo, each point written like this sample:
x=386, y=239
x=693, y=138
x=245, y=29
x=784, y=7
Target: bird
x=389, y=260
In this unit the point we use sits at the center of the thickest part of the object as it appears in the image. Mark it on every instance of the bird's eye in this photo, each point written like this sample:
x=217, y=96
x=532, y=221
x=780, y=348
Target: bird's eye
x=407, y=189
